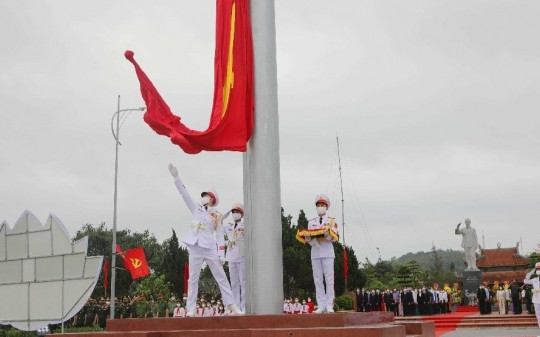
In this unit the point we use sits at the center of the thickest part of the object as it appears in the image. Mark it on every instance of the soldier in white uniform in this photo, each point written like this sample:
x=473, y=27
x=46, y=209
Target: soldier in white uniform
x=202, y=245
x=320, y=234
x=535, y=282
x=235, y=255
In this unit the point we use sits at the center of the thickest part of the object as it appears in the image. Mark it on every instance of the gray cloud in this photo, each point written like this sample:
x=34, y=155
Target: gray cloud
x=435, y=105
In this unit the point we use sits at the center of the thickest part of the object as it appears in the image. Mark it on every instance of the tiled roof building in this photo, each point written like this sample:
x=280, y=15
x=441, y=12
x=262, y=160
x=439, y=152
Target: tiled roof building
x=502, y=264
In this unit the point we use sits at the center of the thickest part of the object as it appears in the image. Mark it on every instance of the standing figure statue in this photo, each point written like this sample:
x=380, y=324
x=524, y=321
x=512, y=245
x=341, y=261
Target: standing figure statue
x=469, y=243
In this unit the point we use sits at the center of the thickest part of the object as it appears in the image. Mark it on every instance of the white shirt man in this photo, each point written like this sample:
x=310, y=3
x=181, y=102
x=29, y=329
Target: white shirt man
x=202, y=245
x=235, y=255
x=320, y=234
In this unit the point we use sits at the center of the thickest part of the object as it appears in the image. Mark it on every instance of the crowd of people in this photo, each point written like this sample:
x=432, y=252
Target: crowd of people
x=96, y=312
x=509, y=297
x=291, y=307
x=404, y=302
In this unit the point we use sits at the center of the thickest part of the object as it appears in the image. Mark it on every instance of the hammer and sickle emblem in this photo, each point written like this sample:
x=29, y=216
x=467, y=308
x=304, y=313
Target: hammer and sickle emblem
x=136, y=263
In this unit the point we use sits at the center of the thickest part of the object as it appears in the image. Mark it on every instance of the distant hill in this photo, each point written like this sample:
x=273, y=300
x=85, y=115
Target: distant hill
x=425, y=260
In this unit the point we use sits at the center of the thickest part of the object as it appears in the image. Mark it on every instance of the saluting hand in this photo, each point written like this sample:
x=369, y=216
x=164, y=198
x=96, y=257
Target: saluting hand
x=173, y=170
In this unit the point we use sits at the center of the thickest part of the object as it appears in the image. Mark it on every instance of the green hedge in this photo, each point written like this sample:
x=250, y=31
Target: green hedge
x=344, y=302
x=80, y=329
x=19, y=333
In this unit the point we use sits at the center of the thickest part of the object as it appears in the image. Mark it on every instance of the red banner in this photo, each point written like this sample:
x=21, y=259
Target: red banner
x=186, y=277
x=345, y=264
x=106, y=274
x=135, y=262
x=231, y=120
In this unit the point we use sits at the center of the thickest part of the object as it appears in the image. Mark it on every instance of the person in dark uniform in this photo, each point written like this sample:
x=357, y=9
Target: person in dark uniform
x=102, y=312
x=481, y=296
x=360, y=294
x=124, y=308
x=366, y=300
x=161, y=306
x=389, y=300
x=90, y=317
x=515, y=292
x=374, y=301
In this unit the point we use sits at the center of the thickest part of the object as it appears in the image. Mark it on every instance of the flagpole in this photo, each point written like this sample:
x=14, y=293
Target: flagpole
x=342, y=207
x=262, y=189
x=116, y=135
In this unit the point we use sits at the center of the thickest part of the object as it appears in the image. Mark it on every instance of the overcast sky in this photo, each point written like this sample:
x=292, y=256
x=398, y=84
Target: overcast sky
x=436, y=105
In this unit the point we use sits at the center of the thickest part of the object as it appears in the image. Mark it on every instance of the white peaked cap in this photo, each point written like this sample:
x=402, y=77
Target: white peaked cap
x=239, y=207
x=212, y=192
x=322, y=198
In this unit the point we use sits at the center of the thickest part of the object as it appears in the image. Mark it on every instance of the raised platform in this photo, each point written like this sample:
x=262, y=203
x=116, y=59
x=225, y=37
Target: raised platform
x=474, y=320
x=372, y=324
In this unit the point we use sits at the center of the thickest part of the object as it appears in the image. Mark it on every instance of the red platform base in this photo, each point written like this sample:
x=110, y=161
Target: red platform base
x=371, y=324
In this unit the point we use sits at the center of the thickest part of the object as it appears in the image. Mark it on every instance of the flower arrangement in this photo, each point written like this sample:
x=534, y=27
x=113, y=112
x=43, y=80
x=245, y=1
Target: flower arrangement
x=456, y=295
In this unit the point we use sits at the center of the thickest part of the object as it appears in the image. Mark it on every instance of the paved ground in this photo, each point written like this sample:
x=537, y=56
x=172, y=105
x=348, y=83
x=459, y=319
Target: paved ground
x=489, y=332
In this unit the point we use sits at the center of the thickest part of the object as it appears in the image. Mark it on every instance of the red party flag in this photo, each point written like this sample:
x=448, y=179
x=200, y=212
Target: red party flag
x=135, y=262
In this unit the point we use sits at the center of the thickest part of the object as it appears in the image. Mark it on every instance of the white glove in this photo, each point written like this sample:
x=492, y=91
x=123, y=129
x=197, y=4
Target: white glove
x=226, y=215
x=314, y=242
x=173, y=170
x=222, y=259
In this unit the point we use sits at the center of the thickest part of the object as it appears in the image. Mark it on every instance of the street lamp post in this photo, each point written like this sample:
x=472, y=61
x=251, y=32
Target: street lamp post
x=116, y=135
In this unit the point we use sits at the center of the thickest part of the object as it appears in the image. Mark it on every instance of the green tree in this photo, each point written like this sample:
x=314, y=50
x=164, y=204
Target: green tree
x=174, y=258
x=153, y=285
x=534, y=257
x=100, y=243
x=404, y=276
x=297, y=272
x=208, y=286
x=417, y=273
x=436, y=260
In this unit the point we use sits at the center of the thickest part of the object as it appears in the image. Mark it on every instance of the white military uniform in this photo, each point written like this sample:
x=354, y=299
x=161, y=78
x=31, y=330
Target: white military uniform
x=202, y=247
x=322, y=261
x=535, y=282
x=235, y=257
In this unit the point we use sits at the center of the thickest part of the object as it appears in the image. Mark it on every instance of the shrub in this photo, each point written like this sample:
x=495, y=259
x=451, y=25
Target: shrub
x=19, y=333
x=345, y=302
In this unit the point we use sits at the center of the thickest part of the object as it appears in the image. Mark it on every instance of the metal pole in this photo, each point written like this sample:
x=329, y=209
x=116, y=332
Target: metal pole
x=116, y=135
x=113, y=251
x=262, y=189
x=342, y=204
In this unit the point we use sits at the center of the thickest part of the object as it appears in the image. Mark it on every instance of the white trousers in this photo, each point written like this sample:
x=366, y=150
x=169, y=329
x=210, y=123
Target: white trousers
x=238, y=284
x=198, y=255
x=537, y=312
x=324, y=267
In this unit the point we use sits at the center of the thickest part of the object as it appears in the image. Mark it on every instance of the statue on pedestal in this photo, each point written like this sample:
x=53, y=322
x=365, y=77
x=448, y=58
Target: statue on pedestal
x=469, y=243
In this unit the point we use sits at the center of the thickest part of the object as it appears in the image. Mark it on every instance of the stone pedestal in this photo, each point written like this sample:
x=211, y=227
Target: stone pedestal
x=471, y=281
x=357, y=324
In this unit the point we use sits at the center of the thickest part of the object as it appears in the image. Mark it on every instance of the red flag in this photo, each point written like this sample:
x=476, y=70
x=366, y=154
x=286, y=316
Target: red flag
x=120, y=252
x=106, y=274
x=231, y=120
x=345, y=264
x=135, y=262
x=186, y=276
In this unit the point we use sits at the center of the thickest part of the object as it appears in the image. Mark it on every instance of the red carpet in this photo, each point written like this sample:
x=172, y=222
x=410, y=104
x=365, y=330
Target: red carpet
x=448, y=322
